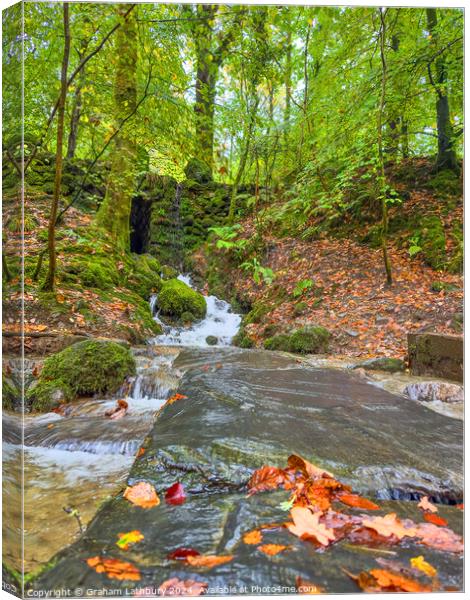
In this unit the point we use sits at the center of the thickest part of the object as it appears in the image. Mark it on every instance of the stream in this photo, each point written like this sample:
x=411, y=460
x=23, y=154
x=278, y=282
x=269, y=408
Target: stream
x=244, y=409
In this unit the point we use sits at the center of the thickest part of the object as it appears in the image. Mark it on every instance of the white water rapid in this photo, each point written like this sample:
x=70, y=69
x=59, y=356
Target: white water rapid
x=219, y=322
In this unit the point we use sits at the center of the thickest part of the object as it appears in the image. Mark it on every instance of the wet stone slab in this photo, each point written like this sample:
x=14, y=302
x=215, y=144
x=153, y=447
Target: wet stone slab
x=249, y=408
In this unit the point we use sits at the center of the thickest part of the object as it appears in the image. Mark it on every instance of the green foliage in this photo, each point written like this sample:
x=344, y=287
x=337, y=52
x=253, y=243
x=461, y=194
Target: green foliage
x=89, y=367
x=197, y=170
x=446, y=183
x=177, y=298
x=433, y=242
x=9, y=394
x=259, y=273
x=301, y=287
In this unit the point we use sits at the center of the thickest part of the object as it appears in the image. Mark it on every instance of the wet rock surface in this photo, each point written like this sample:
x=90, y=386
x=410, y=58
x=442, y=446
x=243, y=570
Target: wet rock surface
x=432, y=391
x=248, y=408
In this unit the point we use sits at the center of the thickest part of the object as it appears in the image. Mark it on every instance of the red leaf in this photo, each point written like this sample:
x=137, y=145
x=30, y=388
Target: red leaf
x=182, y=553
x=175, y=494
x=432, y=518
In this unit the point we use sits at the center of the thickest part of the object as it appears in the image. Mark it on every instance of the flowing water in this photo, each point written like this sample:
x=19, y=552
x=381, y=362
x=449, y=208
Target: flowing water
x=220, y=322
x=243, y=409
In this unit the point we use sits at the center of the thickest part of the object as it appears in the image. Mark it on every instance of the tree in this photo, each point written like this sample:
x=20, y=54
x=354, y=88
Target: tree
x=446, y=156
x=114, y=212
x=49, y=282
x=211, y=50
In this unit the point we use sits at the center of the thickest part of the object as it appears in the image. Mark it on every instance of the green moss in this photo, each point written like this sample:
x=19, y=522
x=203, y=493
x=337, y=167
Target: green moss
x=446, y=183
x=144, y=275
x=197, y=170
x=92, y=271
x=308, y=340
x=46, y=395
x=177, y=298
x=383, y=363
x=242, y=340
x=188, y=317
x=212, y=340
x=89, y=367
x=439, y=286
x=433, y=242
x=168, y=272
x=278, y=342
x=300, y=308
x=256, y=314
x=9, y=394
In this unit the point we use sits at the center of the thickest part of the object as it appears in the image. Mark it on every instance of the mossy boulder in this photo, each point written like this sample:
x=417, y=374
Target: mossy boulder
x=212, y=340
x=168, y=272
x=177, y=298
x=144, y=277
x=307, y=340
x=9, y=394
x=383, y=363
x=46, y=395
x=85, y=368
x=433, y=242
x=197, y=170
x=257, y=313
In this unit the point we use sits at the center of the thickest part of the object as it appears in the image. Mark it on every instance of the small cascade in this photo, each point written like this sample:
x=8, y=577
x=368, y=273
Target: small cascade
x=221, y=324
x=176, y=233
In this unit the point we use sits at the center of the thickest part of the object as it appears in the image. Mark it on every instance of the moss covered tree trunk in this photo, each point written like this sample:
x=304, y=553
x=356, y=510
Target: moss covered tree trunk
x=114, y=212
x=50, y=277
x=446, y=156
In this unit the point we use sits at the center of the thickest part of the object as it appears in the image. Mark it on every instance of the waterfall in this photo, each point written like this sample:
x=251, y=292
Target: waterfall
x=177, y=227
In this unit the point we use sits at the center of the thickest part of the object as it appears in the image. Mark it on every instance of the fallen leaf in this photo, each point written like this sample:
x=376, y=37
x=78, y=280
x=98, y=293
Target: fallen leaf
x=358, y=502
x=265, y=478
x=208, y=561
x=114, y=568
x=389, y=525
x=272, y=549
x=175, y=398
x=126, y=539
x=142, y=494
x=436, y=519
x=175, y=494
x=419, y=563
x=307, y=587
x=179, y=587
x=380, y=580
x=306, y=525
x=440, y=538
x=459, y=506
x=253, y=537
x=425, y=504
x=182, y=553
x=140, y=452
x=307, y=468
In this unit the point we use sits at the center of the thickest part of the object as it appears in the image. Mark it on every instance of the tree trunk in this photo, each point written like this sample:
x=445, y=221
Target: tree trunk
x=446, y=156
x=75, y=118
x=114, y=212
x=380, y=122
x=243, y=160
x=49, y=282
x=288, y=85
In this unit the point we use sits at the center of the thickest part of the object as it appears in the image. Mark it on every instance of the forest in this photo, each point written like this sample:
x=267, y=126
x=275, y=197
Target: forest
x=207, y=201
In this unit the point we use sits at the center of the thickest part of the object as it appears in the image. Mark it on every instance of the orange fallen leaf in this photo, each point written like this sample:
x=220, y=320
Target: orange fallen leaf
x=272, y=549
x=114, y=568
x=125, y=540
x=306, y=525
x=253, y=537
x=358, y=502
x=389, y=525
x=425, y=504
x=180, y=587
x=380, y=580
x=459, y=506
x=142, y=494
x=140, y=452
x=208, y=561
x=307, y=468
x=175, y=398
x=307, y=587
x=441, y=538
x=265, y=478
x=436, y=519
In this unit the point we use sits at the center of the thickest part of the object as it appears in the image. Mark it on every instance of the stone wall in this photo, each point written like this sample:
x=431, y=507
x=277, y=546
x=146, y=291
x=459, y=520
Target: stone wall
x=436, y=354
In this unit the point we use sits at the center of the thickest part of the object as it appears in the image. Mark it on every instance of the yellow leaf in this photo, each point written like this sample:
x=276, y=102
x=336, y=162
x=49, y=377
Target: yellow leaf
x=126, y=539
x=419, y=563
